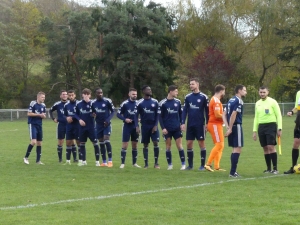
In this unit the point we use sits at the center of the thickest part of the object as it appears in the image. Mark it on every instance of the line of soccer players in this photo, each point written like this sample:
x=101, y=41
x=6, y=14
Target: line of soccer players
x=91, y=119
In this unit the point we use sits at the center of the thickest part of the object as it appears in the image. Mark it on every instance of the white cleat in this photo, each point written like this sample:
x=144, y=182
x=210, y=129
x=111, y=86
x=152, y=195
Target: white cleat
x=122, y=166
x=84, y=163
x=170, y=167
x=97, y=163
x=26, y=161
x=136, y=165
x=40, y=163
x=182, y=167
x=68, y=162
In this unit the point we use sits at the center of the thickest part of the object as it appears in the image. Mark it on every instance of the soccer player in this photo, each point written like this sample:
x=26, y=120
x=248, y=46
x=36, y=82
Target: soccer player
x=87, y=128
x=126, y=114
x=36, y=113
x=61, y=122
x=147, y=108
x=215, y=128
x=296, y=143
x=72, y=127
x=196, y=109
x=103, y=108
x=232, y=117
x=267, y=123
x=170, y=123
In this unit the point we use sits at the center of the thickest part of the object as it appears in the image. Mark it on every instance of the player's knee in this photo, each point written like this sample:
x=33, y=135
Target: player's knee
x=220, y=145
x=155, y=143
x=33, y=142
x=82, y=143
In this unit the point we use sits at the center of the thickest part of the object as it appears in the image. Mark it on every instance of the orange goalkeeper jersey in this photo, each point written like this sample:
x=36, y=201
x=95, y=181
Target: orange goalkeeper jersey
x=215, y=111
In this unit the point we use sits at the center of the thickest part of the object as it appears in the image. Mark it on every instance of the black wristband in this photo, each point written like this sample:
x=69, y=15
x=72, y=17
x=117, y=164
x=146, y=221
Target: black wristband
x=291, y=112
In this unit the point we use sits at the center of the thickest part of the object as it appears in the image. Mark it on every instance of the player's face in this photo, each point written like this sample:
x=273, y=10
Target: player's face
x=194, y=86
x=243, y=92
x=222, y=93
x=71, y=96
x=263, y=93
x=132, y=95
x=41, y=98
x=64, y=96
x=174, y=93
x=148, y=91
x=86, y=97
x=99, y=94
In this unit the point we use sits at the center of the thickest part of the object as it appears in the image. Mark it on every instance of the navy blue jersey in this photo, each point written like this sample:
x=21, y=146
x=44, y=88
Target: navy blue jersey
x=84, y=112
x=104, y=110
x=170, y=114
x=59, y=108
x=196, y=109
x=235, y=104
x=126, y=110
x=148, y=111
x=36, y=108
x=70, y=110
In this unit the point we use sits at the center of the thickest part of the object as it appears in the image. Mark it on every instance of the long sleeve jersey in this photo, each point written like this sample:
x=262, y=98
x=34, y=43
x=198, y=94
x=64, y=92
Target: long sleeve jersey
x=267, y=111
x=196, y=109
x=104, y=110
x=37, y=108
x=235, y=104
x=148, y=111
x=170, y=114
x=84, y=112
x=70, y=110
x=59, y=108
x=126, y=110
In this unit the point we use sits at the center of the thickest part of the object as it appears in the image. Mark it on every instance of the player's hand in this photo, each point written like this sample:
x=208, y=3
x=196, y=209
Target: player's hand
x=289, y=113
x=182, y=127
x=254, y=136
x=228, y=132
x=154, y=129
x=128, y=120
x=94, y=115
x=164, y=131
x=137, y=129
x=69, y=119
x=205, y=127
x=279, y=132
x=43, y=115
x=105, y=124
x=82, y=123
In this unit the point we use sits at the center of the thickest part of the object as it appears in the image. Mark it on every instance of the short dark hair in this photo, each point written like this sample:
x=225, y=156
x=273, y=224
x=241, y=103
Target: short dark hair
x=86, y=91
x=144, y=87
x=219, y=88
x=172, y=88
x=61, y=91
x=238, y=87
x=132, y=89
x=263, y=87
x=71, y=91
x=194, y=79
x=98, y=88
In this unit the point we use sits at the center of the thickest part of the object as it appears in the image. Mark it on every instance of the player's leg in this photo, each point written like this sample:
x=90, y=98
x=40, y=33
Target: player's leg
x=134, y=143
x=200, y=136
x=271, y=143
x=39, y=139
x=212, y=129
x=75, y=130
x=190, y=137
x=236, y=141
x=177, y=135
x=146, y=133
x=125, y=140
x=60, y=135
x=94, y=140
x=220, y=147
x=83, y=136
x=100, y=137
x=69, y=143
x=32, y=135
x=107, y=133
x=295, y=151
x=168, y=142
x=155, y=140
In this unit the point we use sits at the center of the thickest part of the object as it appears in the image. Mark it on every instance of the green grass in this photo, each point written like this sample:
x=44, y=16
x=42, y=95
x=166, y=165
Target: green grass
x=161, y=196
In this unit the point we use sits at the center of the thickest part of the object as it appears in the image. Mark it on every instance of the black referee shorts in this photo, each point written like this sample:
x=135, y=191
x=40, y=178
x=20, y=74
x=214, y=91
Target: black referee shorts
x=267, y=133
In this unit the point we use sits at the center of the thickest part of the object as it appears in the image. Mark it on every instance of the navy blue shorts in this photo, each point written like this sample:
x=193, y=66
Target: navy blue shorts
x=267, y=134
x=35, y=132
x=61, y=130
x=87, y=133
x=101, y=131
x=129, y=133
x=193, y=133
x=72, y=131
x=147, y=134
x=297, y=133
x=236, y=139
x=173, y=134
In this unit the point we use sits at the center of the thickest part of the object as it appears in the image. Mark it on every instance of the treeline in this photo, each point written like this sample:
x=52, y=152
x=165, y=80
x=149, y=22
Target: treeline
x=59, y=44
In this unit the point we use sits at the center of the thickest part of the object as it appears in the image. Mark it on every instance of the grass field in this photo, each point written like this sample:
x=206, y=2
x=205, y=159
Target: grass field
x=58, y=194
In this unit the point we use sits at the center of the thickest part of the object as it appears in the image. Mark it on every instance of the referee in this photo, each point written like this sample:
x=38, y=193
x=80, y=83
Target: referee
x=268, y=124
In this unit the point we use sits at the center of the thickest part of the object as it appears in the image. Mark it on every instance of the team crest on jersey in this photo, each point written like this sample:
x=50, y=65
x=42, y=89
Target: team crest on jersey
x=175, y=104
x=88, y=106
x=152, y=105
x=198, y=100
x=103, y=105
x=42, y=109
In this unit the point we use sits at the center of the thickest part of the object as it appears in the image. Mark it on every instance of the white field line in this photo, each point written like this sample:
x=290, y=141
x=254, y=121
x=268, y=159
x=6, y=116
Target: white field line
x=8, y=130
x=131, y=193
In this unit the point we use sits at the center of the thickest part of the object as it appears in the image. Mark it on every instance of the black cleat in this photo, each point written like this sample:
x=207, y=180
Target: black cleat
x=75, y=160
x=290, y=171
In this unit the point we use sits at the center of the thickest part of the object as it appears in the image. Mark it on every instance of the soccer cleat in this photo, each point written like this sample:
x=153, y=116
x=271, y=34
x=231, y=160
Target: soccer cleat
x=97, y=163
x=84, y=163
x=146, y=167
x=26, y=161
x=156, y=166
x=103, y=164
x=274, y=172
x=235, y=175
x=208, y=168
x=136, y=165
x=80, y=163
x=220, y=170
x=67, y=162
x=40, y=163
x=75, y=161
x=122, y=166
x=60, y=161
x=170, y=167
x=201, y=168
x=290, y=171
x=188, y=168
x=110, y=164
x=267, y=171
x=182, y=167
